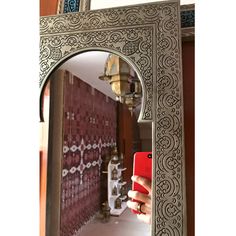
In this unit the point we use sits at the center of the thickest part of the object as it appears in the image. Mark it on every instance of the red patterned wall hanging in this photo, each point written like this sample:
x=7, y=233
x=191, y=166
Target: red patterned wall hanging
x=89, y=132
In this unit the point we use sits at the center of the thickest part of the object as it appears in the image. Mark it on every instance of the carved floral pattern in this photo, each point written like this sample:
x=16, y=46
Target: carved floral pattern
x=148, y=37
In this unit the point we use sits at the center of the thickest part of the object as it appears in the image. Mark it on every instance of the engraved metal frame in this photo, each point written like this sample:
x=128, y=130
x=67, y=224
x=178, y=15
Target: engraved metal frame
x=148, y=37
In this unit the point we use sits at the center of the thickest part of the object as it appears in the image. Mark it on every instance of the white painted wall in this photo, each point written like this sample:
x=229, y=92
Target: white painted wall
x=99, y=4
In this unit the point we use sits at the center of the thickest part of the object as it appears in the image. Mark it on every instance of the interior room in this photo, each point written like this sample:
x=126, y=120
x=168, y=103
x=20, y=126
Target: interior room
x=97, y=128
x=91, y=108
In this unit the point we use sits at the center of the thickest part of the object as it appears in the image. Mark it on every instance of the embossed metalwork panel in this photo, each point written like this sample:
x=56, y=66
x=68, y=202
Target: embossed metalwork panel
x=148, y=37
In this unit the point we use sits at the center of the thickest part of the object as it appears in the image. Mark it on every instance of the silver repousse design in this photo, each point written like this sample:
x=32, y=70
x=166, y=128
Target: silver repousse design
x=148, y=37
x=169, y=127
x=122, y=41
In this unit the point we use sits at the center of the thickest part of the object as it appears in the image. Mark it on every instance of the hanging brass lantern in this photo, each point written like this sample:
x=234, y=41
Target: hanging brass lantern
x=123, y=80
x=117, y=72
x=131, y=101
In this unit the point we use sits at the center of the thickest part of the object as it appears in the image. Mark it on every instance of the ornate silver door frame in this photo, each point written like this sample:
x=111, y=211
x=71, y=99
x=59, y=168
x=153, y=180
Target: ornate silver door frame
x=148, y=37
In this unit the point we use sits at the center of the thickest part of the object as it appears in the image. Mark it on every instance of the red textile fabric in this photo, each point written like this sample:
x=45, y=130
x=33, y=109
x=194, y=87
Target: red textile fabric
x=89, y=132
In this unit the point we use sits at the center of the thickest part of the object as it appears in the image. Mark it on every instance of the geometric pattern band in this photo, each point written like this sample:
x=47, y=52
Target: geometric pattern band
x=81, y=148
